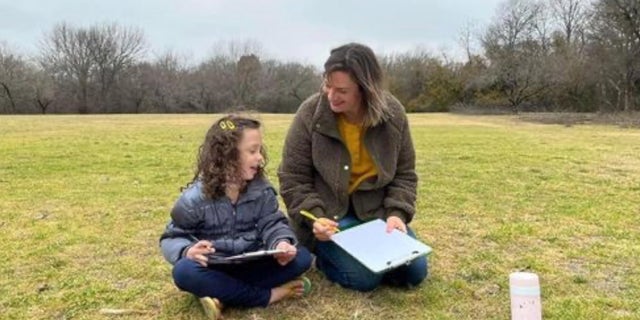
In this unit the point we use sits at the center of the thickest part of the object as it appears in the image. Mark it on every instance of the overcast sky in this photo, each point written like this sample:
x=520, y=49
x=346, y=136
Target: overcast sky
x=288, y=30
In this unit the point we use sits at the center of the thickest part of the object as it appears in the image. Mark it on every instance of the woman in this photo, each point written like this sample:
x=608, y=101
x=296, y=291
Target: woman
x=348, y=158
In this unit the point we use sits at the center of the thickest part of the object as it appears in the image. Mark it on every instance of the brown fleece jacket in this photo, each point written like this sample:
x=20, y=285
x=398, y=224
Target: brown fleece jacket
x=315, y=169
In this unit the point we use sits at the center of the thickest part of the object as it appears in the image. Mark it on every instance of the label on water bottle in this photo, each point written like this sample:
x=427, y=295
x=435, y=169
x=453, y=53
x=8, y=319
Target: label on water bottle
x=525, y=296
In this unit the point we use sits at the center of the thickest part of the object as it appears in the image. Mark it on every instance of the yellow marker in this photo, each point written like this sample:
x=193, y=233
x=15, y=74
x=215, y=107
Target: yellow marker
x=314, y=218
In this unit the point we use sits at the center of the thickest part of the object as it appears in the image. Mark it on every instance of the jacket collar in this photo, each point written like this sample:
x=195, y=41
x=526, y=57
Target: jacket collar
x=324, y=119
x=255, y=188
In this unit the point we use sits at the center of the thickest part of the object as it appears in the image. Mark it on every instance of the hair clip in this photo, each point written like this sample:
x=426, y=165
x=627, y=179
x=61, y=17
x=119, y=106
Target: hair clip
x=227, y=125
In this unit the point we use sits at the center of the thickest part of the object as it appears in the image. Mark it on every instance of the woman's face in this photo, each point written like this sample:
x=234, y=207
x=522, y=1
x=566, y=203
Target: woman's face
x=250, y=156
x=343, y=93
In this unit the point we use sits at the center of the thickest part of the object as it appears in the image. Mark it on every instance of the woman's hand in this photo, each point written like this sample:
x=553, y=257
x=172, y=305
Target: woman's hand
x=198, y=252
x=394, y=222
x=324, y=228
x=285, y=257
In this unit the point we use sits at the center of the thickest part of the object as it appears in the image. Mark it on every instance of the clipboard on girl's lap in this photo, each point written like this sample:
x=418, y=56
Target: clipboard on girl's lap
x=379, y=251
x=243, y=257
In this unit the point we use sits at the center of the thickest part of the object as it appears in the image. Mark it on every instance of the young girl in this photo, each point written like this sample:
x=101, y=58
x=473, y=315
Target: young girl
x=230, y=208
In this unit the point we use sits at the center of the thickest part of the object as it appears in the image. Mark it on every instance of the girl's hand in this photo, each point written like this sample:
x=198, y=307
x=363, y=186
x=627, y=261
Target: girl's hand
x=394, y=222
x=324, y=228
x=198, y=252
x=285, y=257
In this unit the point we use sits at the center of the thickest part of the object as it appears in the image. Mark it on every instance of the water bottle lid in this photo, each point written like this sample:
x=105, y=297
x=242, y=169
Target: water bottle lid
x=524, y=276
x=524, y=283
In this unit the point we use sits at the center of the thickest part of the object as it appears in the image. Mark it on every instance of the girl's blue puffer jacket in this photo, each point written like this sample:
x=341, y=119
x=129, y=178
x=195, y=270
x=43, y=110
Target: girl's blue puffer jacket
x=254, y=222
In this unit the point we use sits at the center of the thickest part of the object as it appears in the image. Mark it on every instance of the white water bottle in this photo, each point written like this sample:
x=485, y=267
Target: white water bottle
x=525, y=296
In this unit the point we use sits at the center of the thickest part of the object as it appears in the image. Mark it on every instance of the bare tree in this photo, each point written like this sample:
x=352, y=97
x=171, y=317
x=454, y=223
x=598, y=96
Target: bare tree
x=115, y=49
x=571, y=15
x=90, y=59
x=516, y=55
x=15, y=82
x=248, y=72
x=233, y=50
x=8, y=68
x=407, y=74
x=285, y=85
x=467, y=38
x=514, y=25
x=66, y=53
x=212, y=84
x=616, y=48
x=167, y=83
x=569, y=70
x=43, y=90
x=542, y=26
x=298, y=80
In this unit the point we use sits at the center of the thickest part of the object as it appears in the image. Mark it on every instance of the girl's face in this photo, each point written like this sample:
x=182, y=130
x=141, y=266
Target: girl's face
x=343, y=93
x=250, y=156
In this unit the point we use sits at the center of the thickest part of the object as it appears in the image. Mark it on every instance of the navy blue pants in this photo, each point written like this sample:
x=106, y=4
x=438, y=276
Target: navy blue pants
x=240, y=285
x=340, y=267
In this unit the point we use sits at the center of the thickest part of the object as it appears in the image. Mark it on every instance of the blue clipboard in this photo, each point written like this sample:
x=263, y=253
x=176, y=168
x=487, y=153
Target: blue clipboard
x=379, y=251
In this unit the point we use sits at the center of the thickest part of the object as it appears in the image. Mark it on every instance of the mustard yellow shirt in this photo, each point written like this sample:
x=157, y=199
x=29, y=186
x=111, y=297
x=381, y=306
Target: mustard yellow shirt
x=362, y=166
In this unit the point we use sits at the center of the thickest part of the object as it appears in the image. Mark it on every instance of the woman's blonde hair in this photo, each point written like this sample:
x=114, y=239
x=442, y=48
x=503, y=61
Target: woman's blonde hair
x=361, y=64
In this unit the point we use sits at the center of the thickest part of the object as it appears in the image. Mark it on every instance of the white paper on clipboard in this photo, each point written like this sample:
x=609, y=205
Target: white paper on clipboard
x=243, y=257
x=254, y=254
x=379, y=251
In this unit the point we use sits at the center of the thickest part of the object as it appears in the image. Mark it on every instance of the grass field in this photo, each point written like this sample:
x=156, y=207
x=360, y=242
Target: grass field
x=83, y=200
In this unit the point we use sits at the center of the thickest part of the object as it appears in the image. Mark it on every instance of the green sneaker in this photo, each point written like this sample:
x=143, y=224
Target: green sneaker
x=292, y=285
x=212, y=308
x=306, y=285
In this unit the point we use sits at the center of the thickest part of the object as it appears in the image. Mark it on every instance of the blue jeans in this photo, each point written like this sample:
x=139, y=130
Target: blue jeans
x=340, y=267
x=241, y=285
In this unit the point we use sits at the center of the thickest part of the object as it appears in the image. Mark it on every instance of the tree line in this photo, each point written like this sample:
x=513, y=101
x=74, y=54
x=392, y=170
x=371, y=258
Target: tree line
x=547, y=55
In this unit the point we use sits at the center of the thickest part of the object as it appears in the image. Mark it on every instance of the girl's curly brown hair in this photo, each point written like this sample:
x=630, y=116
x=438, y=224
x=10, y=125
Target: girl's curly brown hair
x=218, y=157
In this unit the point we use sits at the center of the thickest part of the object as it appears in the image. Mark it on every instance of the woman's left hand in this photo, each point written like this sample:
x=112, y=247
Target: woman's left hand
x=394, y=222
x=285, y=257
